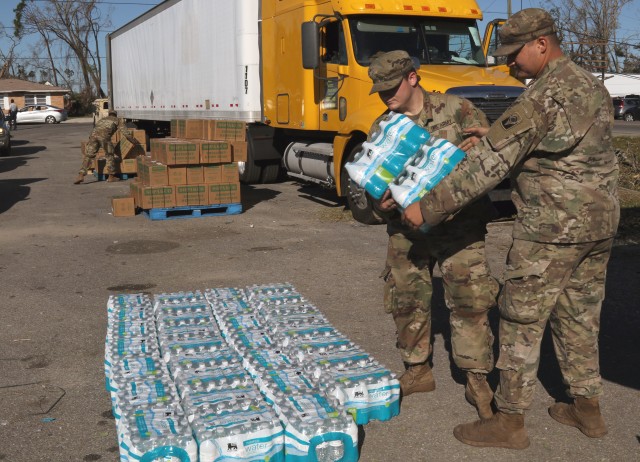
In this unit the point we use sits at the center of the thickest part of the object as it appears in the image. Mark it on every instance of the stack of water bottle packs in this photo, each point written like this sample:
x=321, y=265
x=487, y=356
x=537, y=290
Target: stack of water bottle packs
x=238, y=375
x=404, y=158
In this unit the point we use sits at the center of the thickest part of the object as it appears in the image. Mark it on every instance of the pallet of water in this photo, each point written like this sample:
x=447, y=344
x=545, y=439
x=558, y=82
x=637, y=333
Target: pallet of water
x=233, y=374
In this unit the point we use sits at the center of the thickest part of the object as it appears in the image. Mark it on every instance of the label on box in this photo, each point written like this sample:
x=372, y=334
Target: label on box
x=157, y=197
x=229, y=173
x=182, y=153
x=215, y=152
x=233, y=130
x=195, y=194
x=225, y=193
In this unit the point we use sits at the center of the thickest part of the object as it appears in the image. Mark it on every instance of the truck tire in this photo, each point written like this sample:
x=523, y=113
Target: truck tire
x=249, y=172
x=270, y=173
x=358, y=200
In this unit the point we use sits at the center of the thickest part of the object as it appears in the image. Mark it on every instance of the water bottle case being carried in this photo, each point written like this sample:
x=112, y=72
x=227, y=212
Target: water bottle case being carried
x=404, y=158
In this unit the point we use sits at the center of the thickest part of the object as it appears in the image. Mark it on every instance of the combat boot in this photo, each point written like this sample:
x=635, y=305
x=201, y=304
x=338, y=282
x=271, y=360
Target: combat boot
x=479, y=394
x=79, y=179
x=500, y=431
x=584, y=414
x=418, y=378
x=112, y=178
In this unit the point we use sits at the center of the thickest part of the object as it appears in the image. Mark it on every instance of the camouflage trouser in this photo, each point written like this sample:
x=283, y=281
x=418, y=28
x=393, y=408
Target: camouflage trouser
x=561, y=283
x=92, y=148
x=469, y=292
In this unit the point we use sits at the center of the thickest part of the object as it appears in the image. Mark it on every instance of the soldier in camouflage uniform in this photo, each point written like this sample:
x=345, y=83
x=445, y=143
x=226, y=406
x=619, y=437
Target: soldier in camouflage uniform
x=457, y=246
x=101, y=138
x=555, y=141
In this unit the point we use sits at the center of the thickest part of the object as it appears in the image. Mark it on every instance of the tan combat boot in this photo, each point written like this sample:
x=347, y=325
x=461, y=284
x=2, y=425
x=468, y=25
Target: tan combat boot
x=112, y=178
x=418, y=378
x=500, y=431
x=479, y=394
x=79, y=179
x=584, y=414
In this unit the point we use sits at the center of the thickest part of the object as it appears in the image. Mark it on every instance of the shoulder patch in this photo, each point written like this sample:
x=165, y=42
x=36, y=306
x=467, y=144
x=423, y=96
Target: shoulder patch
x=518, y=119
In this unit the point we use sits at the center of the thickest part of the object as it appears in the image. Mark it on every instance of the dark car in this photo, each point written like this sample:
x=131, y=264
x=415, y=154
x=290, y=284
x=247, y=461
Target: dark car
x=627, y=107
x=5, y=137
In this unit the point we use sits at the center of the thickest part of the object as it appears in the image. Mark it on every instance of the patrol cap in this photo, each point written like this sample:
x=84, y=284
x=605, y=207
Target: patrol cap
x=387, y=69
x=112, y=113
x=521, y=28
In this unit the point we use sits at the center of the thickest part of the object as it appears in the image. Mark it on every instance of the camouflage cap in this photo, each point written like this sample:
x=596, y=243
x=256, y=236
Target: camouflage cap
x=522, y=27
x=387, y=69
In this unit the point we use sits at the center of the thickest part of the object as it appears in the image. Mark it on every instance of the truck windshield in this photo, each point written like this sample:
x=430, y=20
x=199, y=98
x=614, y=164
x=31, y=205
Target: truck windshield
x=431, y=40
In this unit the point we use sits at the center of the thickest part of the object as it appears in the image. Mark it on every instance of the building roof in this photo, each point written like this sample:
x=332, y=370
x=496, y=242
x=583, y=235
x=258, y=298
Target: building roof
x=18, y=85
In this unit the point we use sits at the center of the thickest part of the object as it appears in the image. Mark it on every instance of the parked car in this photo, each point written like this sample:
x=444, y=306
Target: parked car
x=627, y=107
x=5, y=137
x=41, y=113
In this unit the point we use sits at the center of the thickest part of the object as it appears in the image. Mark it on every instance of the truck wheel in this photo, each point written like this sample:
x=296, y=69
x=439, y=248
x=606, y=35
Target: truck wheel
x=270, y=173
x=249, y=172
x=358, y=200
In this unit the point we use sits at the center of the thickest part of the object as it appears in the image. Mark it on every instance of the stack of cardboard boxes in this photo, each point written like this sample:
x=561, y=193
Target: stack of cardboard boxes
x=196, y=166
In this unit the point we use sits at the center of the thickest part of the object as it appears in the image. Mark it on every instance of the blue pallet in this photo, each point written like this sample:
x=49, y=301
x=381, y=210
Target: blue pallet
x=103, y=176
x=193, y=211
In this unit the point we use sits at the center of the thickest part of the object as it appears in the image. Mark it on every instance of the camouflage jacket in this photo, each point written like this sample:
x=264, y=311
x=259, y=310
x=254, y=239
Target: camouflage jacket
x=555, y=140
x=106, y=127
x=445, y=116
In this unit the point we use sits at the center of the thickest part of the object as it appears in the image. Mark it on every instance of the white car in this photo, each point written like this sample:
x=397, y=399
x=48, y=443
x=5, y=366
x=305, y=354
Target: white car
x=41, y=113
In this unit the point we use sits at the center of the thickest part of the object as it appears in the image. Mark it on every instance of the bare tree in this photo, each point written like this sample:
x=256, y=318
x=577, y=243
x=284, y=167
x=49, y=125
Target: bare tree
x=589, y=32
x=72, y=25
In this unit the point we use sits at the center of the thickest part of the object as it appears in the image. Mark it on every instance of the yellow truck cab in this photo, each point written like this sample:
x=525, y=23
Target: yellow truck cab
x=331, y=95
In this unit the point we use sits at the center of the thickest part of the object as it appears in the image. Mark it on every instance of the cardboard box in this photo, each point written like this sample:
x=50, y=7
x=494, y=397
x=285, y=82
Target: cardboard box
x=179, y=129
x=194, y=129
x=181, y=152
x=195, y=174
x=210, y=130
x=123, y=206
x=238, y=151
x=153, y=173
x=214, y=152
x=173, y=126
x=151, y=197
x=134, y=191
x=224, y=193
x=194, y=194
x=229, y=173
x=231, y=130
x=212, y=174
x=177, y=174
x=129, y=150
x=129, y=166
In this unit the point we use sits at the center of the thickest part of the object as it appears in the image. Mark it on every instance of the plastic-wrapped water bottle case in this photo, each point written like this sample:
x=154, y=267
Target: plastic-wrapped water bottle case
x=403, y=158
x=233, y=374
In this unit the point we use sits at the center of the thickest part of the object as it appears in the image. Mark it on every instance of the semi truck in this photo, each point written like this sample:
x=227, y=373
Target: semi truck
x=296, y=72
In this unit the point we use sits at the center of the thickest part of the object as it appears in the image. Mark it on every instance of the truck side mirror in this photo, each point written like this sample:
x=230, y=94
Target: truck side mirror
x=310, y=45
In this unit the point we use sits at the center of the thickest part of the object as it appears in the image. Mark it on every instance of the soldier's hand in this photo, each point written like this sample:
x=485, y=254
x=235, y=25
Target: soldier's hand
x=475, y=133
x=412, y=216
x=386, y=203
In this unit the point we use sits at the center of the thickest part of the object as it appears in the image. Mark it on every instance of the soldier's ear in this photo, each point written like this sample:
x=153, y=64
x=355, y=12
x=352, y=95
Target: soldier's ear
x=412, y=78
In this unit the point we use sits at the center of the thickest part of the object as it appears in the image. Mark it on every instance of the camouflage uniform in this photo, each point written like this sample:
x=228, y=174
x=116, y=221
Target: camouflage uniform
x=101, y=138
x=457, y=246
x=556, y=143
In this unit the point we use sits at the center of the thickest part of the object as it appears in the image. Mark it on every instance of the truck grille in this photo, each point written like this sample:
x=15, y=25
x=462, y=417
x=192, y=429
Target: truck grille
x=493, y=101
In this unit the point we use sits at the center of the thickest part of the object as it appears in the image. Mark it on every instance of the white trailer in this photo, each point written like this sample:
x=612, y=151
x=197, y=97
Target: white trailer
x=188, y=59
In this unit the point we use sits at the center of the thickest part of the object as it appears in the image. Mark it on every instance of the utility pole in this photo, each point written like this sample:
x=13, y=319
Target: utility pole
x=508, y=8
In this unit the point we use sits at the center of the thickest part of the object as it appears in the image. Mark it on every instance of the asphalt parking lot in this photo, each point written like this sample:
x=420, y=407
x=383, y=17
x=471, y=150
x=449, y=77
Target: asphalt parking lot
x=62, y=254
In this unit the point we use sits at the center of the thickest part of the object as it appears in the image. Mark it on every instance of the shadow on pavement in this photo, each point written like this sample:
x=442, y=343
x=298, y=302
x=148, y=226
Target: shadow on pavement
x=14, y=191
x=620, y=324
x=251, y=195
x=10, y=162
